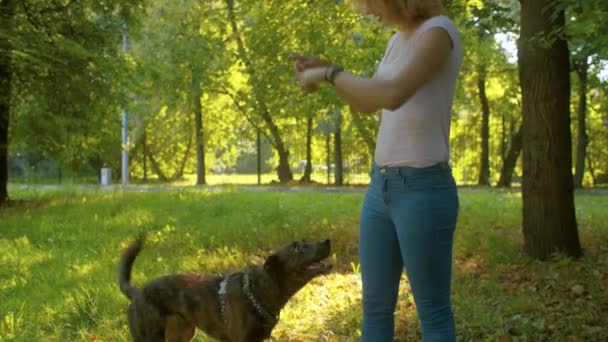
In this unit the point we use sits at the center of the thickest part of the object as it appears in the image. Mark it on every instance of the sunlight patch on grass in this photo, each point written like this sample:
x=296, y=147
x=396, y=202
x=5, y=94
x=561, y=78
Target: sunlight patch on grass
x=84, y=269
x=12, y=324
x=17, y=258
x=327, y=309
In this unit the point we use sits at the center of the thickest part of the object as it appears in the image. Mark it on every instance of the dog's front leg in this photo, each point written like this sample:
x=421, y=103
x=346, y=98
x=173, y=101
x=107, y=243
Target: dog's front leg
x=145, y=325
x=178, y=329
x=237, y=333
x=243, y=334
x=236, y=336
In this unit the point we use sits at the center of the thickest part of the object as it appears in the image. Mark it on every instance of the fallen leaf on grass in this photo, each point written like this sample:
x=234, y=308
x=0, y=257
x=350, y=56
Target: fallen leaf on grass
x=578, y=289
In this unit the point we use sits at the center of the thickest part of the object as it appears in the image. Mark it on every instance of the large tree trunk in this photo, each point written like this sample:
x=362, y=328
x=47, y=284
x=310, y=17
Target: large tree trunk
x=582, y=69
x=508, y=166
x=549, y=219
x=484, y=169
x=198, y=129
x=338, y=172
x=283, y=170
x=306, y=178
x=7, y=11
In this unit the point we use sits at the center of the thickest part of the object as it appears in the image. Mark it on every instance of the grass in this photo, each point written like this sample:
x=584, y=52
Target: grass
x=60, y=250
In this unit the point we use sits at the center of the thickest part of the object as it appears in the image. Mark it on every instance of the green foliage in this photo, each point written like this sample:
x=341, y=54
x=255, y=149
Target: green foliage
x=71, y=79
x=68, y=77
x=178, y=56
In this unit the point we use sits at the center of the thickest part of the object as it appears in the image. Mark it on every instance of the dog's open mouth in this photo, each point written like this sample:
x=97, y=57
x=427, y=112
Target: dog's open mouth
x=319, y=267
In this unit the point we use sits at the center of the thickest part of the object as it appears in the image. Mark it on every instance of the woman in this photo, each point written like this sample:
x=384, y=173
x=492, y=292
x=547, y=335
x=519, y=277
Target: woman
x=410, y=209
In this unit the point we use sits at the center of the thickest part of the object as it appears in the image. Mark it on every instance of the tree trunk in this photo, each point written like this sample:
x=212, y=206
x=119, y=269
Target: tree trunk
x=582, y=69
x=484, y=169
x=338, y=171
x=368, y=137
x=328, y=161
x=96, y=163
x=259, y=155
x=145, y=155
x=198, y=129
x=179, y=173
x=308, y=168
x=591, y=170
x=549, y=219
x=7, y=11
x=283, y=170
x=508, y=166
x=156, y=167
x=503, y=137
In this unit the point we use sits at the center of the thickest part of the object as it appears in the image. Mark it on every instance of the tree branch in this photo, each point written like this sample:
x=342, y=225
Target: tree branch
x=242, y=109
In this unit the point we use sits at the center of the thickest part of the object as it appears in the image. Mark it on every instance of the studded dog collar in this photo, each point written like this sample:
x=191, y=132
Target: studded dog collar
x=269, y=319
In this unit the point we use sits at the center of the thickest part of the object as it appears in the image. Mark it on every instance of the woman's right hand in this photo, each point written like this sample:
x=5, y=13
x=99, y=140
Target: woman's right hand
x=307, y=62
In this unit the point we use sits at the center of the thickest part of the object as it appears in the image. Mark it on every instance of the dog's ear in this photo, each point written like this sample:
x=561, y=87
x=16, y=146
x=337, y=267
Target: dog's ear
x=273, y=263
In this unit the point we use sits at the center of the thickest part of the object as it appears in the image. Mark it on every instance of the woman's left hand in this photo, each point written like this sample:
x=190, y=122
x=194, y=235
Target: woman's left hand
x=310, y=78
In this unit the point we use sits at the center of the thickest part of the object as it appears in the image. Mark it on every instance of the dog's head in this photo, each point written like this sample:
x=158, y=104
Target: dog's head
x=295, y=264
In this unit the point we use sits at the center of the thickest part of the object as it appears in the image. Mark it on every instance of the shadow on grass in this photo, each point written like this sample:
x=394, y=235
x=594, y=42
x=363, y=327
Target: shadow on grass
x=23, y=204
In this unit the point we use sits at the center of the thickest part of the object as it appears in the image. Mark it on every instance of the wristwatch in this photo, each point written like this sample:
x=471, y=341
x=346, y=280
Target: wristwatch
x=332, y=71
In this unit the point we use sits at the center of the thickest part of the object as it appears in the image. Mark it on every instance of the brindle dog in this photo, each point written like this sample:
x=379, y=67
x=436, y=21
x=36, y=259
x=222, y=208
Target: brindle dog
x=238, y=307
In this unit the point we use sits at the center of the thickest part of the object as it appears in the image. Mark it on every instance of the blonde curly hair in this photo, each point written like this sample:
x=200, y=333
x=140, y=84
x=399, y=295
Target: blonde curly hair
x=412, y=12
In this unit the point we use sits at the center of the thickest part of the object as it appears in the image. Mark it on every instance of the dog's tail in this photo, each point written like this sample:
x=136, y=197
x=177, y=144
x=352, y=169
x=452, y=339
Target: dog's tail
x=125, y=266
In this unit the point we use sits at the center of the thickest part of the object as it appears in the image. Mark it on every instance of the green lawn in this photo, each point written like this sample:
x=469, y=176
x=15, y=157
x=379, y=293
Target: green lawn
x=59, y=250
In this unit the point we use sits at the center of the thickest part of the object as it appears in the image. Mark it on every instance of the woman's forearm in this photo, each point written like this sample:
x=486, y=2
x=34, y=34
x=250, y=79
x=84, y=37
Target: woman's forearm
x=367, y=95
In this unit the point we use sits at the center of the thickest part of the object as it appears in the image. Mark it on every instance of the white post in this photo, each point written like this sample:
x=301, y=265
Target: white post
x=125, y=136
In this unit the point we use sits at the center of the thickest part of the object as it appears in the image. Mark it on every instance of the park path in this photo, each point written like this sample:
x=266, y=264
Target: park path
x=252, y=188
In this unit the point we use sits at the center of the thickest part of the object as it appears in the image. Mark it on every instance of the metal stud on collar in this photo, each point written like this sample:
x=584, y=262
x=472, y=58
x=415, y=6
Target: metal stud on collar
x=270, y=319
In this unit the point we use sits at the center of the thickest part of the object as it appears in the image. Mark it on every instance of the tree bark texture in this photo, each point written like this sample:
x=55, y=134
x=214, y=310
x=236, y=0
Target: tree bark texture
x=198, y=129
x=484, y=169
x=508, y=166
x=7, y=12
x=306, y=178
x=338, y=159
x=549, y=219
x=582, y=70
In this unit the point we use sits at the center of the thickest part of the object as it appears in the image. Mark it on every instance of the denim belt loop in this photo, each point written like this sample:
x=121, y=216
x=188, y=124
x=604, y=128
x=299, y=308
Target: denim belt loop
x=385, y=193
x=402, y=174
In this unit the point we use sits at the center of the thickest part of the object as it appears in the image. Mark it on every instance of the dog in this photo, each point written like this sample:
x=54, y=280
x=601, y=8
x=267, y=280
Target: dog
x=237, y=307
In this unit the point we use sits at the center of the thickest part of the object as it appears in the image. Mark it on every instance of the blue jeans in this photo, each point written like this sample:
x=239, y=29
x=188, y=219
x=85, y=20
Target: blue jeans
x=408, y=219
